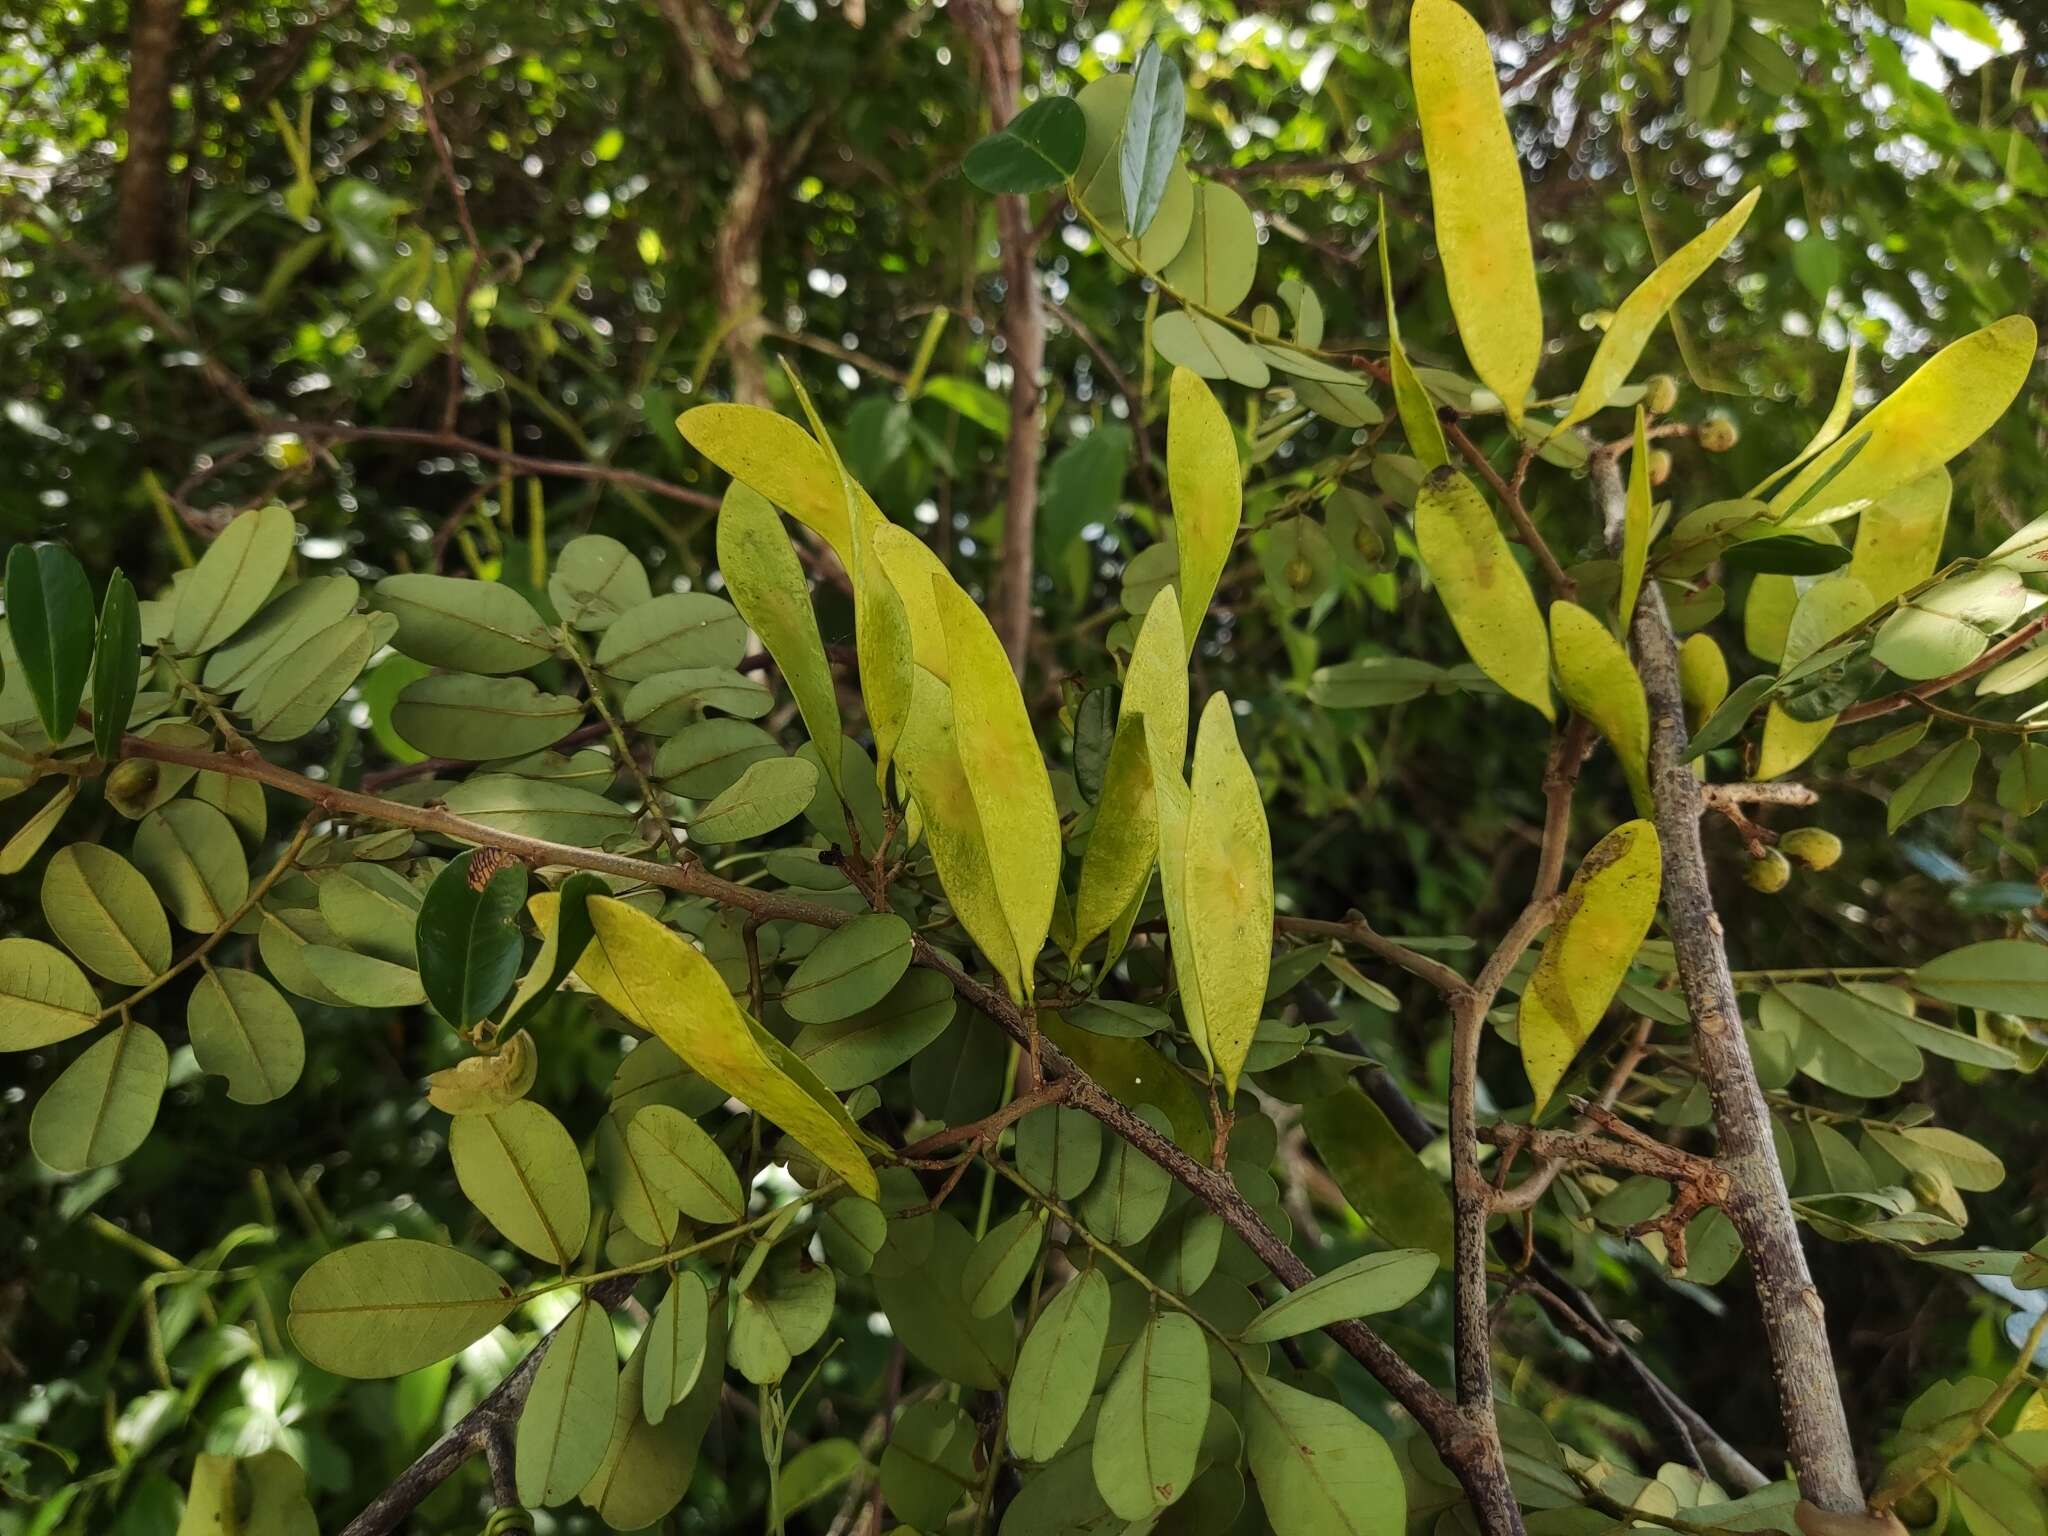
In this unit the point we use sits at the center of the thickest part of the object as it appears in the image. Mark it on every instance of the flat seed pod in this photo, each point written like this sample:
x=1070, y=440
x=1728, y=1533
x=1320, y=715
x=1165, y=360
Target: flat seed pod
x=1488, y=597
x=1636, y=321
x=243, y=1029
x=391, y=1306
x=474, y=718
x=1475, y=188
x=770, y=794
x=1149, y=1432
x=1227, y=891
x=1598, y=680
x=101, y=1107
x=1056, y=1368
x=1207, y=487
x=465, y=626
x=44, y=997
x=191, y=856
x=676, y=1341
x=686, y=1166
x=1599, y=926
x=853, y=968
x=233, y=579
x=671, y=633
x=521, y=1169
x=596, y=579
x=1320, y=1470
x=768, y=586
x=565, y=1424
x=103, y=911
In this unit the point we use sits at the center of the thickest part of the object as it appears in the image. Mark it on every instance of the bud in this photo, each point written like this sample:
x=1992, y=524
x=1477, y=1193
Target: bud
x=1815, y=847
x=1769, y=874
x=1660, y=394
x=1660, y=466
x=130, y=784
x=1718, y=434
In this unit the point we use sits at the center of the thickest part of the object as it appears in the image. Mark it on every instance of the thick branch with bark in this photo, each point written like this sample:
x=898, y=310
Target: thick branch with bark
x=1795, y=1322
x=143, y=200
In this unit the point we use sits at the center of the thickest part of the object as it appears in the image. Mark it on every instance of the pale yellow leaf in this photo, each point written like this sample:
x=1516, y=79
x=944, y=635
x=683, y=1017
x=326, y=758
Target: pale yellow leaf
x=1485, y=591
x=1125, y=839
x=1207, y=487
x=1635, y=527
x=1227, y=874
x=1600, y=682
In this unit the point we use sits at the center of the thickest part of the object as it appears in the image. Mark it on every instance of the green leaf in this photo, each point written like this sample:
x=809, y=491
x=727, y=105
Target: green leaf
x=769, y=794
x=190, y=855
x=49, y=618
x=1217, y=263
x=1385, y=1182
x=1036, y=150
x=1840, y=1040
x=1999, y=975
x=1227, y=895
x=1636, y=321
x=233, y=579
x=675, y=632
x=928, y=1313
x=1210, y=350
x=1475, y=185
x=767, y=584
x=373, y=910
x=706, y=759
x=1128, y=1195
x=853, y=968
x=521, y=1170
x=1635, y=534
x=872, y=1043
x=114, y=673
x=1058, y=1150
x=1419, y=423
x=1320, y=1471
x=676, y=1343
x=28, y=839
x=101, y=1107
x=565, y=1425
x=685, y=1166
x=1947, y=404
x=814, y=1472
x=1002, y=1262
x=395, y=1305
x=243, y=1030
x=472, y=718
x=555, y=813
x=1488, y=597
x=663, y=983
x=1605, y=913
x=783, y=1312
x=648, y=1466
x=929, y=1464
x=468, y=949
x=44, y=997
x=1057, y=1366
x=1943, y=780
x=1207, y=488
x=1150, y=144
x=1125, y=838
x=287, y=622
x=363, y=981
x=1378, y=1282
x=287, y=701
x=594, y=580
x=663, y=703
x=563, y=940
x=1600, y=682
x=465, y=626
x=1153, y=1413
x=103, y=911
x=1943, y=630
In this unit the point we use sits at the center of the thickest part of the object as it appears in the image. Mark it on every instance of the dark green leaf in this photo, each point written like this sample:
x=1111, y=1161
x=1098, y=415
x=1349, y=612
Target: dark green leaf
x=468, y=948
x=1039, y=148
x=49, y=616
x=114, y=665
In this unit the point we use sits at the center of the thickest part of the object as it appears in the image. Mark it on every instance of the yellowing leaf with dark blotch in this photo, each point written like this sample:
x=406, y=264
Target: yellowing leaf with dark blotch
x=1475, y=188
x=1488, y=596
x=1600, y=682
x=1125, y=838
x=662, y=982
x=1227, y=875
x=1948, y=403
x=1599, y=926
x=1635, y=526
x=1207, y=487
x=1006, y=776
x=778, y=459
x=1898, y=540
x=1642, y=311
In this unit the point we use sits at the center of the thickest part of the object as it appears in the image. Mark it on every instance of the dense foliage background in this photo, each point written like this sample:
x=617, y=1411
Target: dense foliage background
x=661, y=199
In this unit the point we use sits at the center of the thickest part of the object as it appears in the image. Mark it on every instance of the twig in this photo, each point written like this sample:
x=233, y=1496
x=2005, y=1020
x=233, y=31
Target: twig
x=457, y=322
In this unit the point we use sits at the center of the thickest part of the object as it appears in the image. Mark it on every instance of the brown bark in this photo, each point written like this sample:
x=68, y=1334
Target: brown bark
x=143, y=196
x=1795, y=1322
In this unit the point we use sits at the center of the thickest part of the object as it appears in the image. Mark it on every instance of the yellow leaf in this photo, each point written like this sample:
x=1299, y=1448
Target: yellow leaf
x=660, y=981
x=1599, y=926
x=1600, y=682
x=1156, y=684
x=1475, y=185
x=1125, y=837
x=1702, y=678
x=1635, y=528
x=1417, y=411
x=1642, y=311
x=766, y=582
x=912, y=569
x=929, y=758
x=1227, y=868
x=1944, y=407
x=1006, y=775
x=1787, y=742
x=1489, y=599
x=778, y=459
x=1898, y=541
x=1207, y=487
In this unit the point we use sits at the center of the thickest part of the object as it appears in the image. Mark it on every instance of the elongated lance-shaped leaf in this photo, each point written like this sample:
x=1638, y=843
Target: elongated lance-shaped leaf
x=1125, y=839
x=1227, y=874
x=1207, y=486
x=1475, y=187
x=1636, y=321
x=114, y=674
x=1635, y=528
x=49, y=618
x=467, y=948
x=1488, y=597
x=1151, y=137
x=1419, y=423
x=1830, y=428
x=1600, y=682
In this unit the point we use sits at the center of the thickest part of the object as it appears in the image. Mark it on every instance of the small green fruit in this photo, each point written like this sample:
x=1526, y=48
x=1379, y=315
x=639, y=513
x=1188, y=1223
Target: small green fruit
x=130, y=784
x=1660, y=394
x=1815, y=847
x=1718, y=434
x=1769, y=874
x=1660, y=466
x=1918, y=1508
